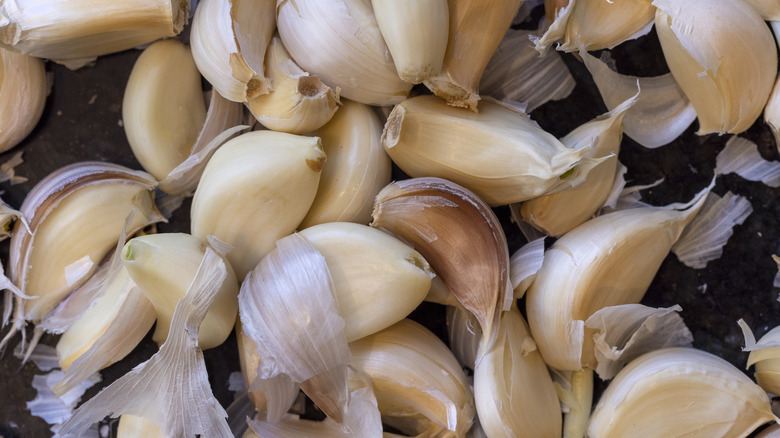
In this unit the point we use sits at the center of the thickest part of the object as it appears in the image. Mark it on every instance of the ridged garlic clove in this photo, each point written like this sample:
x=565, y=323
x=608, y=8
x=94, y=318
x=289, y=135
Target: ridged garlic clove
x=680, y=392
x=22, y=96
x=357, y=168
x=229, y=39
x=416, y=35
x=340, y=42
x=163, y=266
x=722, y=54
x=765, y=356
x=256, y=189
x=133, y=426
x=297, y=102
x=378, y=280
x=500, y=153
x=163, y=108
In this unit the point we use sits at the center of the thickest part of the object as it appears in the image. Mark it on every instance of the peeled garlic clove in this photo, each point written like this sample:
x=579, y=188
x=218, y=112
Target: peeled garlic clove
x=229, y=39
x=723, y=56
x=425, y=137
x=357, y=168
x=22, y=96
x=87, y=28
x=322, y=38
x=772, y=112
x=52, y=258
x=163, y=266
x=256, y=189
x=416, y=35
x=133, y=426
x=163, y=108
x=458, y=234
x=678, y=392
x=476, y=30
x=765, y=356
x=298, y=102
x=378, y=280
x=418, y=383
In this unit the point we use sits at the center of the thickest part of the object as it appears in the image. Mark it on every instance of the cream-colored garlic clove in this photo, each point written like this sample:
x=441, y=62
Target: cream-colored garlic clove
x=339, y=41
x=297, y=102
x=22, y=96
x=132, y=426
x=722, y=54
x=765, y=356
x=357, y=168
x=248, y=360
x=256, y=189
x=163, y=108
x=378, y=280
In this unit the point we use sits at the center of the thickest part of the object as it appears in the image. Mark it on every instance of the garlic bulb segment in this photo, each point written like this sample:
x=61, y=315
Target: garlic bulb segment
x=378, y=280
x=357, y=169
x=476, y=29
x=163, y=266
x=513, y=390
x=298, y=102
x=723, y=56
x=606, y=261
x=77, y=29
x=229, y=39
x=575, y=391
x=458, y=234
x=765, y=356
x=772, y=112
x=340, y=42
x=416, y=35
x=419, y=385
x=256, y=189
x=768, y=9
x=132, y=426
x=558, y=213
x=22, y=96
x=163, y=108
x=48, y=263
x=680, y=392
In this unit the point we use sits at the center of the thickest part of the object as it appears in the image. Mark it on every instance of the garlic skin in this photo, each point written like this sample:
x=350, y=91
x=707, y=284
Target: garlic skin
x=256, y=189
x=22, y=96
x=416, y=35
x=722, y=54
x=765, y=356
x=163, y=108
x=680, y=392
x=321, y=37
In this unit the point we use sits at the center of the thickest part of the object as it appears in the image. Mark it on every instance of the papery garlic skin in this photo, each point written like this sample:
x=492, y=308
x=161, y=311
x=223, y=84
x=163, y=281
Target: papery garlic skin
x=339, y=41
x=722, y=54
x=22, y=96
x=765, y=356
x=680, y=392
x=163, y=108
x=256, y=189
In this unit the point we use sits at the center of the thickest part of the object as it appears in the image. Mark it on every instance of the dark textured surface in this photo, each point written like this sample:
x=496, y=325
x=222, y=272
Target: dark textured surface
x=82, y=122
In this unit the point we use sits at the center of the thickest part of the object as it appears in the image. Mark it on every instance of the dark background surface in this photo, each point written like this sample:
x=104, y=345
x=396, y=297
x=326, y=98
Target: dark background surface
x=82, y=121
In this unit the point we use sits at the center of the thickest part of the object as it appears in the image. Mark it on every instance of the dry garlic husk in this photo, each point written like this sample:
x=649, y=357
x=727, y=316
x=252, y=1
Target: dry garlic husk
x=357, y=168
x=163, y=108
x=598, y=24
x=49, y=263
x=722, y=54
x=476, y=30
x=606, y=261
x=255, y=189
x=378, y=280
x=680, y=392
x=772, y=112
x=558, y=213
x=73, y=30
x=524, y=264
x=464, y=334
x=171, y=389
x=133, y=426
x=499, y=153
x=419, y=385
x=297, y=102
x=163, y=266
x=8, y=216
x=772, y=431
x=765, y=355
x=513, y=390
x=340, y=42
x=416, y=35
x=458, y=234
x=229, y=39
x=22, y=96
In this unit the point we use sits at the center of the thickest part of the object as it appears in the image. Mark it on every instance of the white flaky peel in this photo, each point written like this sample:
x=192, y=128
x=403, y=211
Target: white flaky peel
x=765, y=356
x=741, y=156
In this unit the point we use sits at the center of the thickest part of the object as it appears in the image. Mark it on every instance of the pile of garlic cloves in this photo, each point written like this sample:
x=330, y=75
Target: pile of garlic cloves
x=353, y=204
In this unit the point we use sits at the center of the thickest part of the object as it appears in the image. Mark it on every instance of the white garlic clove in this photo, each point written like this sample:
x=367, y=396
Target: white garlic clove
x=22, y=96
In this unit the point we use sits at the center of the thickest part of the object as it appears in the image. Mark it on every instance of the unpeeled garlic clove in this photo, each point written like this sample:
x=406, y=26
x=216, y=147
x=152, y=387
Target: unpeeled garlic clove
x=765, y=356
x=722, y=54
x=22, y=96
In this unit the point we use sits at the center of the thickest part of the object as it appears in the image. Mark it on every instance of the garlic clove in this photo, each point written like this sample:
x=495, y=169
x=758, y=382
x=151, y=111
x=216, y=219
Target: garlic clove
x=769, y=9
x=524, y=264
x=765, y=356
x=133, y=426
x=22, y=96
